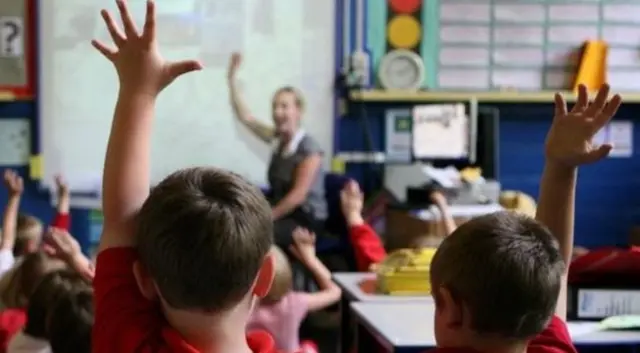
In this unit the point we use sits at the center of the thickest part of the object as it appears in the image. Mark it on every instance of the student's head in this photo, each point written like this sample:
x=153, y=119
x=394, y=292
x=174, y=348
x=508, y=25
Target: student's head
x=70, y=322
x=28, y=235
x=282, y=279
x=204, y=236
x=52, y=287
x=287, y=106
x=497, y=277
x=23, y=279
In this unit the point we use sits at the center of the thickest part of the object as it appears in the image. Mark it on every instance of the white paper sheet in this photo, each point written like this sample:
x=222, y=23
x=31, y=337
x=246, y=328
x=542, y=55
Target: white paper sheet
x=621, y=136
x=626, y=13
x=479, y=11
x=533, y=35
x=619, y=57
x=518, y=56
x=558, y=79
x=440, y=131
x=463, y=79
x=568, y=56
x=571, y=35
x=625, y=35
x=574, y=12
x=464, y=56
x=465, y=34
x=518, y=13
x=517, y=79
x=624, y=81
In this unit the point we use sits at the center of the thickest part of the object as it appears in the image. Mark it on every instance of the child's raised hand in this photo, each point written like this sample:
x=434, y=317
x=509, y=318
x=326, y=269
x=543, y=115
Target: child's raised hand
x=304, y=244
x=569, y=140
x=61, y=186
x=351, y=199
x=60, y=244
x=13, y=182
x=234, y=65
x=141, y=69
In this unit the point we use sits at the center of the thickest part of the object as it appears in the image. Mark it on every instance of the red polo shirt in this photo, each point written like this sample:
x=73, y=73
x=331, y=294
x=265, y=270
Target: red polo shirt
x=554, y=339
x=126, y=322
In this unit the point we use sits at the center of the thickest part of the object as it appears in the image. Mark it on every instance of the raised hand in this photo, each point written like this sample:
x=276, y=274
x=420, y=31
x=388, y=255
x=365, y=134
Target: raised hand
x=13, y=182
x=351, y=199
x=140, y=67
x=234, y=65
x=61, y=186
x=304, y=244
x=60, y=244
x=570, y=139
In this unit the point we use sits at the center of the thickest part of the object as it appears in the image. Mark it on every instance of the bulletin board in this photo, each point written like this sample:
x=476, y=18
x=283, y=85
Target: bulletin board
x=17, y=19
x=532, y=44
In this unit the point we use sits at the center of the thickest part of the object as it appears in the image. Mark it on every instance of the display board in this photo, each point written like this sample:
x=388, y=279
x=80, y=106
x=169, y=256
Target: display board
x=285, y=42
x=16, y=44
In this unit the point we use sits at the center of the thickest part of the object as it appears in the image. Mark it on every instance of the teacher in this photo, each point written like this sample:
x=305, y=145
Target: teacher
x=295, y=173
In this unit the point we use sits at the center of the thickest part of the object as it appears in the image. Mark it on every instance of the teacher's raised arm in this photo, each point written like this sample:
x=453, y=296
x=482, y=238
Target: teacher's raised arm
x=263, y=131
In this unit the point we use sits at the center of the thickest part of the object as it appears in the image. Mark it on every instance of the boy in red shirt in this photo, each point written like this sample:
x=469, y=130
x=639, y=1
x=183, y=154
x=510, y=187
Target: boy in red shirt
x=499, y=281
x=180, y=266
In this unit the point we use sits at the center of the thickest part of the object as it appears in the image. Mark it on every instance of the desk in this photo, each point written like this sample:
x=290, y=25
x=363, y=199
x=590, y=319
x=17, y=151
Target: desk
x=458, y=211
x=407, y=327
x=358, y=286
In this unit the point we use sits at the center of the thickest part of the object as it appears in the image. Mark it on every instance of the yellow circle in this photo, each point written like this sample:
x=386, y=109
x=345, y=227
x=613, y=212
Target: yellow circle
x=404, y=32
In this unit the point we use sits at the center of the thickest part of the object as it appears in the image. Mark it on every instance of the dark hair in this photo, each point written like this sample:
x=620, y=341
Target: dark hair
x=71, y=321
x=53, y=286
x=203, y=234
x=506, y=269
x=23, y=279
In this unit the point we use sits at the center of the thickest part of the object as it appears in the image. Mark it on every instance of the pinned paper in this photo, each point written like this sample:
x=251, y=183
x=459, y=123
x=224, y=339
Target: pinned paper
x=440, y=131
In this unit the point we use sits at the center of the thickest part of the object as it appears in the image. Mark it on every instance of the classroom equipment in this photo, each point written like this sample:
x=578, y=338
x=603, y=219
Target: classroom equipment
x=592, y=71
x=194, y=122
x=17, y=58
x=406, y=272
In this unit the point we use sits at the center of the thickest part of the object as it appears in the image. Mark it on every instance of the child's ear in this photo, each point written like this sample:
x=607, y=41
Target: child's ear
x=451, y=311
x=265, y=277
x=144, y=281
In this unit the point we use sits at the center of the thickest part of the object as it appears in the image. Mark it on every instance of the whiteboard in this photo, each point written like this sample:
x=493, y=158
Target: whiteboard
x=284, y=42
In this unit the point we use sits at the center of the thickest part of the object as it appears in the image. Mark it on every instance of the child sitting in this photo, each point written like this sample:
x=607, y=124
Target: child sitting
x=499, y=281
x=282, y=310
x=21, y=233
x=71, y=322
x=179, y=267
x=368, y=248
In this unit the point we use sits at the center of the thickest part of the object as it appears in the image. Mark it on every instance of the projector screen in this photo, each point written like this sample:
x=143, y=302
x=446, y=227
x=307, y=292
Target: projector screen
x=283, y=42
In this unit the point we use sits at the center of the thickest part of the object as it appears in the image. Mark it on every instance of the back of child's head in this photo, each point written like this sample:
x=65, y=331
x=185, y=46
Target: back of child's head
x=282, y=279
x=505, y=270
x=53, y=286
x=203, y=236
x=28, y=234
x=70, y=322
x=22, y=281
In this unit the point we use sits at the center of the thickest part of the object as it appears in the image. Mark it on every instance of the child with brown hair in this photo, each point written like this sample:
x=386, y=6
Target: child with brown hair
x=70, y=322
x=282, y=310
x=180, y=265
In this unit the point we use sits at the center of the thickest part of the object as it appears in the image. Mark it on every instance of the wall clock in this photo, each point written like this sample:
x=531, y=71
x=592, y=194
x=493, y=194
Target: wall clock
x=401, y=70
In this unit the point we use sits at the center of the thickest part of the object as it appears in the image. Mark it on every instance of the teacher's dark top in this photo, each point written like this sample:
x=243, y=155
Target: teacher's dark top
x=281, y=174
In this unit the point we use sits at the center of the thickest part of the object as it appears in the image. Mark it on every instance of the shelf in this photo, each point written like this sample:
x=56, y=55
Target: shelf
x=482, y=97
x=6, y=96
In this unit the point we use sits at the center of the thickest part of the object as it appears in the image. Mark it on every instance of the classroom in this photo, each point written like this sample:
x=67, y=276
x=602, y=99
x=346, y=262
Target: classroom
x=381, y=133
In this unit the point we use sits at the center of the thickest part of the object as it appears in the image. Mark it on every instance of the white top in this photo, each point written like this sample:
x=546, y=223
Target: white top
x=350, y=284
x=470, y=211
x=403, y=324
x=22, y=343
x=7, y=260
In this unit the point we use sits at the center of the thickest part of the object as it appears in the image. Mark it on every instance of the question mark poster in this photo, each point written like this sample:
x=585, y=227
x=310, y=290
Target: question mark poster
x=13, y=65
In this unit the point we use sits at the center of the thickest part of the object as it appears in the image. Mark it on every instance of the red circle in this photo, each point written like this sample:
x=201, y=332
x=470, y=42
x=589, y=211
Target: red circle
x=405, y=6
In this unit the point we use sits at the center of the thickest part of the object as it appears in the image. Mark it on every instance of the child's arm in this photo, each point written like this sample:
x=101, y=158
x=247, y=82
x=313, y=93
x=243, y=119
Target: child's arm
x=265, y=132
x=446, y=219
x=143, y=74
x=569, y=145
x=304, y=250
x=15, y=186
x=62, y=218
x=367, y=246
x=60, y=244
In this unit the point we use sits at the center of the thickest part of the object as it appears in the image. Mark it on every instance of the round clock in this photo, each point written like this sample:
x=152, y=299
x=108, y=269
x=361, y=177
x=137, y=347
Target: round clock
x=401, y=70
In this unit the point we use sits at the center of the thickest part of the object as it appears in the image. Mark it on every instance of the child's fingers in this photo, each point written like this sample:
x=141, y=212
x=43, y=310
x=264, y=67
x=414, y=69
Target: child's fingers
x=180, y=68
x=116, y=35
x=104, y=50
x=127, y=21
x=149, y=31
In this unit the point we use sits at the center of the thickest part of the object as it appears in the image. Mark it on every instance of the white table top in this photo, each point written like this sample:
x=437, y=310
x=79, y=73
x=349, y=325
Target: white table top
x=350, y=284
x=410, y=324
x=432, y=213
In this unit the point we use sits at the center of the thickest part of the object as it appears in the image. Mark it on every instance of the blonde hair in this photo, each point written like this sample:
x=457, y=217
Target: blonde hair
x=282, y=279
x=28, y=230
x=19, y=283
x=297, y=95
x=519, y=202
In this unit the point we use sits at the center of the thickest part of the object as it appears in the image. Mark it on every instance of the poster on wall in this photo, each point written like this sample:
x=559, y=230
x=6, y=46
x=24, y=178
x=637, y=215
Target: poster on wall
x=15, y=40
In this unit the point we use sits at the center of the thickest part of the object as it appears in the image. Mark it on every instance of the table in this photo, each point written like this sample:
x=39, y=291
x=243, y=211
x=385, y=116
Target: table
x=407, y=327
x=352, y=285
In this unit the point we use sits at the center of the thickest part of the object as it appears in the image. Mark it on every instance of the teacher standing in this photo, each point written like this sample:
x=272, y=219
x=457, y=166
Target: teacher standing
x=295, y=173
